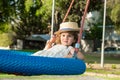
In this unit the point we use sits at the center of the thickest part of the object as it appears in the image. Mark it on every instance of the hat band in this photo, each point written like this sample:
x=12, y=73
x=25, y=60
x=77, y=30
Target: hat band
x=66, y=29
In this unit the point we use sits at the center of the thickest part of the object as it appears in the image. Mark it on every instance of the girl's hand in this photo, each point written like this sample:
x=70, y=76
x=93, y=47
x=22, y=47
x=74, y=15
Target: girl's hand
x=79, y=54
x=50, y=42
x=69, y=55
x=53, y=38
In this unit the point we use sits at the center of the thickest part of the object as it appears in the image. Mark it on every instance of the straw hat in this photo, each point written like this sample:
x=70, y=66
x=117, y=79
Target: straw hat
x=68, y=26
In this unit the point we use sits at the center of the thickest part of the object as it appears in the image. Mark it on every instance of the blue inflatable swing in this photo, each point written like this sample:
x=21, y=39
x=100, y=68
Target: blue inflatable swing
x=21, y=63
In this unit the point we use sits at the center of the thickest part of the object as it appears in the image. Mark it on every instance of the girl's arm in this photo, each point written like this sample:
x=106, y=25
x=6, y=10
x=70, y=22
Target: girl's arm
x=79, y=54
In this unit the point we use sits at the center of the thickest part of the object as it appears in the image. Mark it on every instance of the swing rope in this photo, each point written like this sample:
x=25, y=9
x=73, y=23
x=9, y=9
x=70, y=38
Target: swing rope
x=68, y=10
x=77, y=46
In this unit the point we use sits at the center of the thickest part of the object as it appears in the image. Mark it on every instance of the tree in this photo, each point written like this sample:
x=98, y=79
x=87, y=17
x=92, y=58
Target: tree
x=28, y=22
x=6, y=11
x=32, y=16
x=94, y=34
x=29, y=17
x=115, y=14
x=76, y=11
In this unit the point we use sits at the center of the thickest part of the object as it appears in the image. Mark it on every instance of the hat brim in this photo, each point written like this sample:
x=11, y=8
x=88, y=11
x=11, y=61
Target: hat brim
x=61, y=31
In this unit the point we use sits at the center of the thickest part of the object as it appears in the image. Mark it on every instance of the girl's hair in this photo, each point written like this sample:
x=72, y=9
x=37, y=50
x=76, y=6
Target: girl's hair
x=74, y=33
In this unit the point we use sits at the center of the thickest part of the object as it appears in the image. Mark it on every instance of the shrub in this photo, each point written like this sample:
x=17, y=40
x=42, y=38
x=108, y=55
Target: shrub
x=5, y=39
x=113, y=66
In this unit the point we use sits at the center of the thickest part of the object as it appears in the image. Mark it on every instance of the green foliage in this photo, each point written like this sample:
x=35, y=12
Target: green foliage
x=4, y=27
x=28, y=4
x=117, y=28
x=31, y=3
x=28, y=23
x=45, y=10
x=115, y=14
x=32, y=16
x=6, y=10
x=76, y=11
x=6, y=39
x=95, y=33
x=113, y=66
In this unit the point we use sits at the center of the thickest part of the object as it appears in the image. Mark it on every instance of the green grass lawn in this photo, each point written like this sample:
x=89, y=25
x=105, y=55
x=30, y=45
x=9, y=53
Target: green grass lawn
x=111, y=63
x=108, y=58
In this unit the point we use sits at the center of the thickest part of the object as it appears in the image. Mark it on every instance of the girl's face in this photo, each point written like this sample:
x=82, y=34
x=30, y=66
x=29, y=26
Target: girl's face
x=66, y=39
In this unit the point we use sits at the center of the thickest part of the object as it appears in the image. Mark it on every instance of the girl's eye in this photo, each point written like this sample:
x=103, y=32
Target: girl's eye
x=63, y=35
x=69, y=35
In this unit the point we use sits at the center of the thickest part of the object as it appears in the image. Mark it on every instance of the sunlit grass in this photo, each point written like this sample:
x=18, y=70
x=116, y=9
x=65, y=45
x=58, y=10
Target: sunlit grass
x=96, y=58
x=104, y=71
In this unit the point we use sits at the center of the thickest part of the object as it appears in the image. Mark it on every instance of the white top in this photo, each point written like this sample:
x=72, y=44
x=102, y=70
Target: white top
x=58, y=51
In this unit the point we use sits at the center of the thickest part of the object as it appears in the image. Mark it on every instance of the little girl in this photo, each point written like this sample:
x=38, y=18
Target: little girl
x=64, y=40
